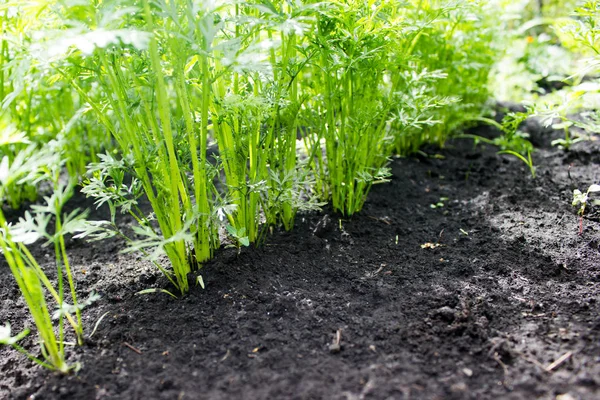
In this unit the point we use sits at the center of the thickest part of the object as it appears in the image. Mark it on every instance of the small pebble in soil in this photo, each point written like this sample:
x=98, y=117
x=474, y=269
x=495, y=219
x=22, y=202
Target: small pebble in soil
x=335, y=348
x=565, y=396
x=459, y=387
x=445, y=313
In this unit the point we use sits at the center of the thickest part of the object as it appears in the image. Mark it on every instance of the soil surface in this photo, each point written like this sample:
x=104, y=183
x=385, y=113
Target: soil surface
x=494, y=295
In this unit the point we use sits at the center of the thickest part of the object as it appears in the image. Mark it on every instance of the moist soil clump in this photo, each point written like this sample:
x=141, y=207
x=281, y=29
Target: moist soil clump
x=462, y=278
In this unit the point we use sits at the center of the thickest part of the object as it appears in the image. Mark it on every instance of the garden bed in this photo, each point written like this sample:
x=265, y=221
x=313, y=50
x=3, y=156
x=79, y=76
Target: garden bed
x=492, y=295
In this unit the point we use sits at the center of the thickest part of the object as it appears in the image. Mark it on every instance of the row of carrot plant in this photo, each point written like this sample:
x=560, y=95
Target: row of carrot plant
x=229, y=117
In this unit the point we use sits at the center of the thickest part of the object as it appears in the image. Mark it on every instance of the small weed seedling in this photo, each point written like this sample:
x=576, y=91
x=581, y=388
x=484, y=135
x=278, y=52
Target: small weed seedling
x=238, y=236
x=439, y=204
x=582, y=199
x=512, y=141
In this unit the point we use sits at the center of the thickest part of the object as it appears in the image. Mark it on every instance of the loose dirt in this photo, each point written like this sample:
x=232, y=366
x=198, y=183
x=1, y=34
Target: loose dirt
x=494, y=295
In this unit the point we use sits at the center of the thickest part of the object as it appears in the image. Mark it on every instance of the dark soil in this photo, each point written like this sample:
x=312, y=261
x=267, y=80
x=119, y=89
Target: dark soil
x=477, y=299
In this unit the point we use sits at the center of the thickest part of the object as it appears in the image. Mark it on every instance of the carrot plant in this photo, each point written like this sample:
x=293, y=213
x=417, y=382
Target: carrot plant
x=347, y=112
x=14, y=146
x=290, y=23
x=255, y=113
x=550, y=113
x=206, y=76
x=583, y=30
x=457, y=41
x=155, y=105
x=386, y=77
x=34, y=101
x=512, y=141
x=33, y=281
x=12, y=139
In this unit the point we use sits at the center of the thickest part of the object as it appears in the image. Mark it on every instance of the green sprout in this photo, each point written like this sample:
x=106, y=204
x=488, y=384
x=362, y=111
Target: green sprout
x=238, y=236
x=581, y=200
x=512, y=141
x=440, y=203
